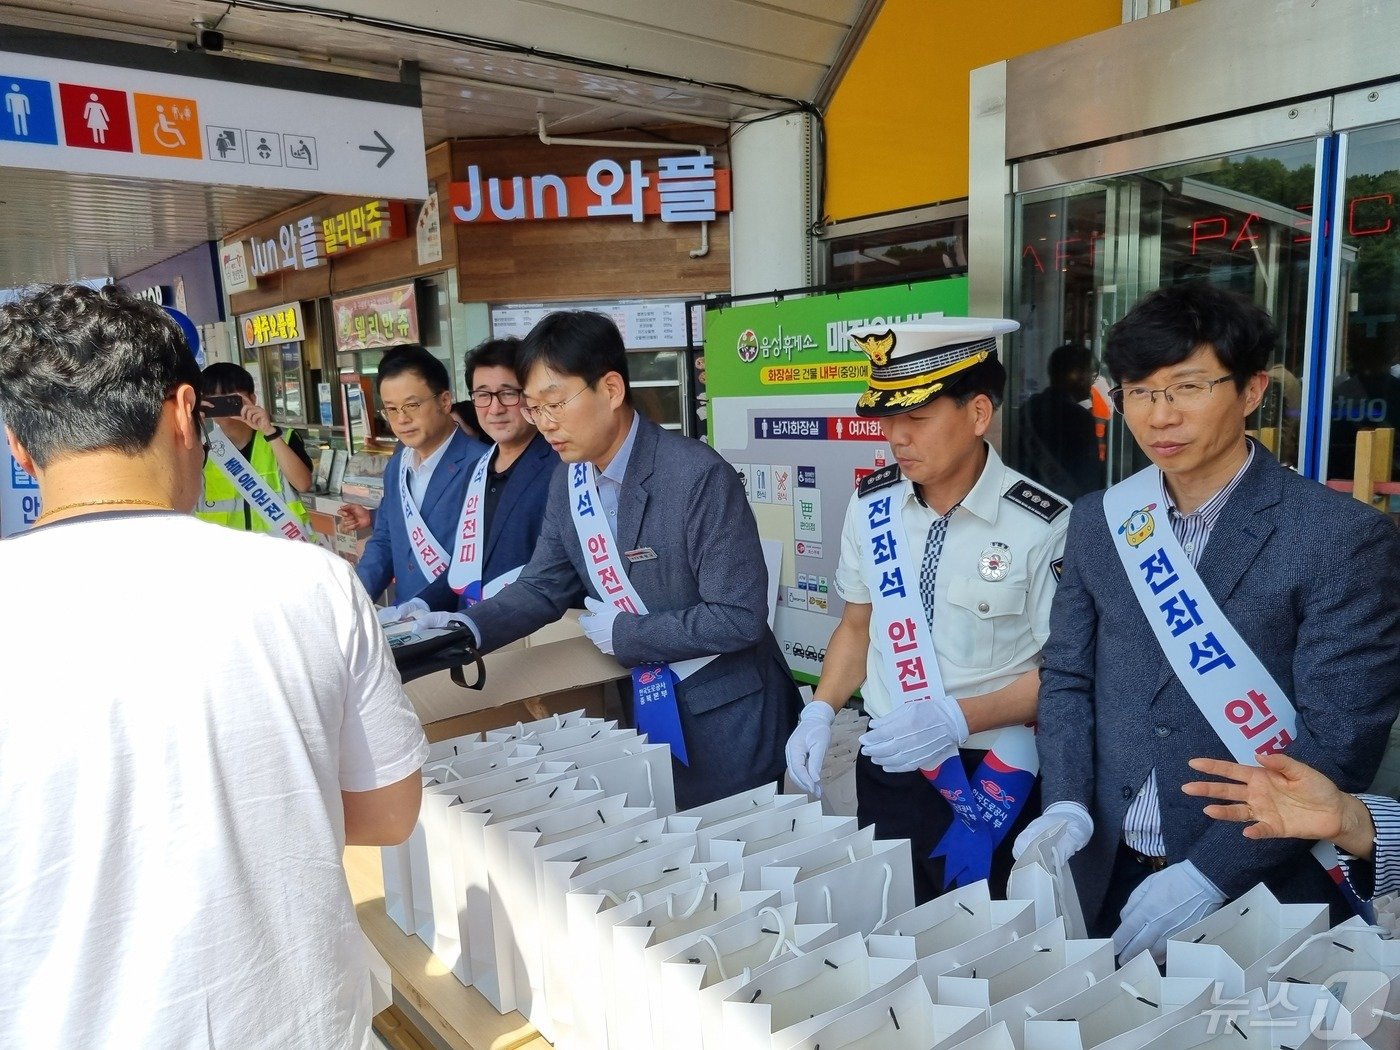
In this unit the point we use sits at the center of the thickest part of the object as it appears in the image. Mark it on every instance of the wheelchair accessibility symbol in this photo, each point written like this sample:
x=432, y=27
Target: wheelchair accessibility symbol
x=168, y=126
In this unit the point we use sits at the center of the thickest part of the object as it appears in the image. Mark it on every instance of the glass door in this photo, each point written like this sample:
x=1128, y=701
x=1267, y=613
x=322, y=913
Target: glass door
x=1361, y=406
x=1085, y=252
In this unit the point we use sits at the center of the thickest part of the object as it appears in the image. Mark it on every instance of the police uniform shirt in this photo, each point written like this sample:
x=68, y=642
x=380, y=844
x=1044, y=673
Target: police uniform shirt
x=987, y=632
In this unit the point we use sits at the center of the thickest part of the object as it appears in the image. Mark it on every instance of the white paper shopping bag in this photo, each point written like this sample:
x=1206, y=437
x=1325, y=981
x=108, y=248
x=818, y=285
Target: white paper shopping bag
x=1237, y=944
x=527, y=730
x=566, y=832
x=948, y=931
x=1256, y=1022
x=639, y=771
x=904, y=1018
x=600, y=901
x=715, y=817
x=1128, y=1009
x=1360, y=968
x=856, y=881
x=555, y=870
x=642, y=941
x=1018, y=980
x=805, y=992
x=481, y=759
x=771, y=836
x=696, y=980
x=1041, y=874
x=435, y=848
x=994, y=1038
x=488, y=937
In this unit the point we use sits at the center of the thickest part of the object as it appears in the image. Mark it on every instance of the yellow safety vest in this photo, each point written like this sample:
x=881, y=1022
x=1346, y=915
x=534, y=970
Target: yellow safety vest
x=223, y=504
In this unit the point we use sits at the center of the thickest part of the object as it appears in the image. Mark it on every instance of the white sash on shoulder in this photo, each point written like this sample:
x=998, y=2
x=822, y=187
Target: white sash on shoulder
x=605, y=566
x=432, y=563
x=265, y=501
x=1226, y=681
x=468, y=560
x=901, y=628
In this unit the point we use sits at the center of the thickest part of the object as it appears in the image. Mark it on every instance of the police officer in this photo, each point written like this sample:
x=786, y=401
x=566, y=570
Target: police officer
x=947, y=538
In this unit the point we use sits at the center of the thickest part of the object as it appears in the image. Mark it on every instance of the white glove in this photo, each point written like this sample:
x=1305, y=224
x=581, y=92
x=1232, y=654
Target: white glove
x=1079, y=828
x=917, y=735
x=1165, y=902
x=806, y=748
x=409, y=610
x=597, y=623
x=428, y=621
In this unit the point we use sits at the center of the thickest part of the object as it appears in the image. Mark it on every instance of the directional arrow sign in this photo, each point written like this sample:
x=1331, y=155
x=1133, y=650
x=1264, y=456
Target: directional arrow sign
x=102, y=107
x=383, y=148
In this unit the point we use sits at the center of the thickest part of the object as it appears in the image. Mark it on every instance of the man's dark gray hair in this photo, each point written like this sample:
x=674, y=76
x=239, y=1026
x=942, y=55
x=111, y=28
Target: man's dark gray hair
x=87, y=369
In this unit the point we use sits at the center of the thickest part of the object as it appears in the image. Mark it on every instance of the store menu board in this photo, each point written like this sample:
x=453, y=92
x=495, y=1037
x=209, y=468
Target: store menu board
x=645, y=324
x=783, y=379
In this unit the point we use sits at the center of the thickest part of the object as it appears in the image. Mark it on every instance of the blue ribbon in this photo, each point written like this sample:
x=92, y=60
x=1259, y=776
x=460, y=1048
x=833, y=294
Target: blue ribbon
x=986, y=807
x=657, y=712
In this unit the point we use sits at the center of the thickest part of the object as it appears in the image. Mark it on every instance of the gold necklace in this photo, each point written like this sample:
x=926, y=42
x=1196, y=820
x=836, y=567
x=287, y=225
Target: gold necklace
x=103, y=503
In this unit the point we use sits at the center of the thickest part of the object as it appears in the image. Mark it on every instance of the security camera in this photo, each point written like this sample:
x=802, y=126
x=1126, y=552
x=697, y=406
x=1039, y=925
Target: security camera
x=206, y=39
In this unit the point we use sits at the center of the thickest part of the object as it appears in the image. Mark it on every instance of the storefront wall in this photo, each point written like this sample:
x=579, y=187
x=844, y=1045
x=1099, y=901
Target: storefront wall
x=897, y=127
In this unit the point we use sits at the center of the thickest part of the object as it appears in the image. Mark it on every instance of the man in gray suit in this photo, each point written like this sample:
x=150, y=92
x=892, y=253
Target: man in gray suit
x=653, y=532
x=1309, y=580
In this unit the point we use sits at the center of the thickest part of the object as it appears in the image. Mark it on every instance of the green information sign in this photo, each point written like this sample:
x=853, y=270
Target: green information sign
x=783, y=380
x=800, y=346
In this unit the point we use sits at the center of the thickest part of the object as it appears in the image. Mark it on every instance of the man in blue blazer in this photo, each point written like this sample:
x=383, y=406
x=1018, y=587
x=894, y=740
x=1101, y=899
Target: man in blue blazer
x=667, y=528
x=1308, y=577
x=413, y=531
x=515, y=485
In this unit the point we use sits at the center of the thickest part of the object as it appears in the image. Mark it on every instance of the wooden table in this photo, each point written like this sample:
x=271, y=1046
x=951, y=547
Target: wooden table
x=459, y=1015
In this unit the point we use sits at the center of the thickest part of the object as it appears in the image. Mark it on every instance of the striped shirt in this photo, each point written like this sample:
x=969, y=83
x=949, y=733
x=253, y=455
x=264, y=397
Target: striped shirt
x=1142, y=826
x=1384, y=867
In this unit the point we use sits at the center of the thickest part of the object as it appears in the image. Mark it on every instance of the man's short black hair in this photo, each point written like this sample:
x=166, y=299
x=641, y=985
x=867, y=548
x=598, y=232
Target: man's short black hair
x=987, y=378
x=575, y=343
x=224, y=377
x=399, y=360
x=1169, y=325
x=87, y=369
x=1067, y=358
x=493, y=353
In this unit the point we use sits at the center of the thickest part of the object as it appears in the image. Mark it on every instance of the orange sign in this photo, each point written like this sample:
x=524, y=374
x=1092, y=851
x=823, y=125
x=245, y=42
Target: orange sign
x=167, y=126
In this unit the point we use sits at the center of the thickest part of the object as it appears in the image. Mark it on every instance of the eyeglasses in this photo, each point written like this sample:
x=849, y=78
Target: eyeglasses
x=508, y=398
x=1187, y=395
x=550, y=411
x=407, y=410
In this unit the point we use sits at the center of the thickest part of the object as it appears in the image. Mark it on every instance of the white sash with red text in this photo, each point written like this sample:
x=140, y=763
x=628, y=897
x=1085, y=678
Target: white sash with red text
x=1229, y=685
x=605, y=566
x=900, y=624
x=464, y=576
x=432, y=562
x=986, y=805
x=266, y=502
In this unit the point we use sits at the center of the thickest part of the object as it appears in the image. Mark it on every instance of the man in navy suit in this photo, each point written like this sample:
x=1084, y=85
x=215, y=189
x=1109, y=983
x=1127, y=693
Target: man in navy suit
x=652, y=531
x=1309, y=580
x=415, y=526
x=514, y=483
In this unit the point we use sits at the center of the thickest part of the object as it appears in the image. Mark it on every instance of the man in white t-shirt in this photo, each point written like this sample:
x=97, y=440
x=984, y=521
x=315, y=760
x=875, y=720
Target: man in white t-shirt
x=183, y=762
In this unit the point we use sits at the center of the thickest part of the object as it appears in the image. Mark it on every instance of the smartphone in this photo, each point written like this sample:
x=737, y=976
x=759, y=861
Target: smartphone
x=223, y=405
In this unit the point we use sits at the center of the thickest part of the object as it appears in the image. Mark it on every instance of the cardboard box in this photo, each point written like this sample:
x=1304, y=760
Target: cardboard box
x=521, y=685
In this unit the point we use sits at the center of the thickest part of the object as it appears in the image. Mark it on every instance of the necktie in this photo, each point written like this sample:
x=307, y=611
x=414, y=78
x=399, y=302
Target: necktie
x=933, y=550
